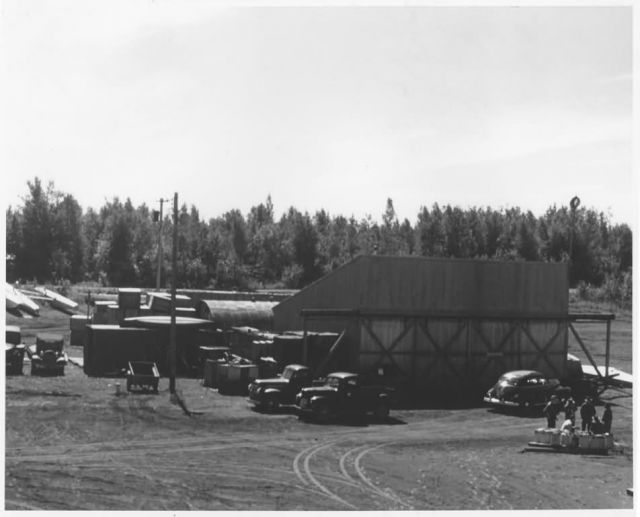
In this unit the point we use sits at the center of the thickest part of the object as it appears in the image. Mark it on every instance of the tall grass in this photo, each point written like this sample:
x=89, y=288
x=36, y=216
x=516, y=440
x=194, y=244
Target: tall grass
x=616, y=292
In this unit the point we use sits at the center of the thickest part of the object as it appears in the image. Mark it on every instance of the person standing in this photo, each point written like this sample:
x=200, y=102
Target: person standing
x=587, y=412
x=570, y=409
x=607, y=417
x=551, y=411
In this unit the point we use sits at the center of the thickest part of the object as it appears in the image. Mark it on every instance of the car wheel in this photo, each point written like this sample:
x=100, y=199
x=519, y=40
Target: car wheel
x=270, y=405
x=382, y=411
x=323, y=414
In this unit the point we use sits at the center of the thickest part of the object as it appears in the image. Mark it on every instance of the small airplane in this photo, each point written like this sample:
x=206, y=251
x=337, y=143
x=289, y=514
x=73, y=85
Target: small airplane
x=615, y=377
x=20, y=301
x=19, y=304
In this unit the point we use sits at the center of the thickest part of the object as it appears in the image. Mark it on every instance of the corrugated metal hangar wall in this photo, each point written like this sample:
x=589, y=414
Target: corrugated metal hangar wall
x=439, y=324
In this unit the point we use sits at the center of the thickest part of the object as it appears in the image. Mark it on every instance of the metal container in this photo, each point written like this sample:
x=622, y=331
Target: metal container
x=555, y=435
x=129, y=298
x=541, y=436
x=13, y=335
x=78, y=322
x=235, y=378
x=143, y=375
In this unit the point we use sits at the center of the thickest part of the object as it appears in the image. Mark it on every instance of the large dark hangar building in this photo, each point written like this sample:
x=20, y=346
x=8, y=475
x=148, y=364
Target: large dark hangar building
x=436, y=326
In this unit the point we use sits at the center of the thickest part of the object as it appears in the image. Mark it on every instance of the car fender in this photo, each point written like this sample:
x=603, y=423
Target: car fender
x=318, y=399
x=272, y=391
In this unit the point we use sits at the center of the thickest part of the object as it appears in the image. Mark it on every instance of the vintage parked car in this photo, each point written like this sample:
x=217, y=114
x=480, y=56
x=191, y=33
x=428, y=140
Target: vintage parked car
x=48, y=358
x=344, y=394
x=524, y=389
x=269, y=394
x=14, y=354
x=14, y=357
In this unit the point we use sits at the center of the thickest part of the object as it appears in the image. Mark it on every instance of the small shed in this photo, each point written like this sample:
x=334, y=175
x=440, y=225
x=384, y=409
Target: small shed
x=439, y=325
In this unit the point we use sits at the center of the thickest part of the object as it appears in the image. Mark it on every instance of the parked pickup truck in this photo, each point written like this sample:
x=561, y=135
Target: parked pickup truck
x=269, y=394
x=344, y=394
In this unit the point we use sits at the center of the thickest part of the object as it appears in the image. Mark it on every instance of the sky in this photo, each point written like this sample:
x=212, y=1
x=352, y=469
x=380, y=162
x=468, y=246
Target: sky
x=327, y=107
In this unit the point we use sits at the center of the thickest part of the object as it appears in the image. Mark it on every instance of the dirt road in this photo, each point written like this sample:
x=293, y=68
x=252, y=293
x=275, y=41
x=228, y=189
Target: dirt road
x=72, y=444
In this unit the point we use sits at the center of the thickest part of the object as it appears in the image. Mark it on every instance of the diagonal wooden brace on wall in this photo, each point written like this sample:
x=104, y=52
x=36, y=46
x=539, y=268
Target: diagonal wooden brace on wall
x=543, y=353
x=541, y=349
x=330, y=355
x=494, y=352
x=387, y=350
x=584, y=349
x=440, y=350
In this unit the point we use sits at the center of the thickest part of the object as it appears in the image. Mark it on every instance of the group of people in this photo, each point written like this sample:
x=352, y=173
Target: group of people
x=589, y=420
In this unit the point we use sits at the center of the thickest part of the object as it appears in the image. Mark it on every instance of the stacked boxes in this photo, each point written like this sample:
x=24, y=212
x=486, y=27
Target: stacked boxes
x=554, y=437
x=210, y=378
x=235, y=378
x=608, y=441
x=584, y=440
x=540, y=436
x=587, y=440
x=100, y=312
x=109, y=348
x=565, y=439
x=13, y=335
x=129, y=298
x=113, y=314
x=597, y=442
x=78, y=324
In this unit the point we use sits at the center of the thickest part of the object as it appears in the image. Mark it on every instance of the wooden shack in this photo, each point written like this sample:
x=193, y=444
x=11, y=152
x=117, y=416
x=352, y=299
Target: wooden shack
x=439, y=326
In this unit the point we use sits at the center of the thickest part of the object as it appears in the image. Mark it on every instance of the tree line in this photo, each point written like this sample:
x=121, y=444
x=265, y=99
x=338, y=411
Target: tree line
x=51, y=239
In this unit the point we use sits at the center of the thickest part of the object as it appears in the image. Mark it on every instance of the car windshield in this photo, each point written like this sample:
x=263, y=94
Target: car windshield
x=334, y=382
x=288, y=373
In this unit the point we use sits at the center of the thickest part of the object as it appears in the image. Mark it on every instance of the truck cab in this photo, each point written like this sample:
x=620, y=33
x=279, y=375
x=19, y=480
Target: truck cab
x=269, y=394
x=344, y=394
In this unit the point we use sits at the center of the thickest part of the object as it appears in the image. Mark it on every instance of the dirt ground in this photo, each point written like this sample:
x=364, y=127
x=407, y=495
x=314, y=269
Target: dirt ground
x=73, y=444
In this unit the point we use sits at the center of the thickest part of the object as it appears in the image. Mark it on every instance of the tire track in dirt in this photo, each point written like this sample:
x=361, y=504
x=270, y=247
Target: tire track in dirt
x=388, y=493
x=417, y=431
x=101, y=454
x=306, y=475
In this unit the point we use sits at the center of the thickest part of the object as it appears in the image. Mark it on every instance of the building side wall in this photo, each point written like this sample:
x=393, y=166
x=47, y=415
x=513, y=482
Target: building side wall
x=429, y=355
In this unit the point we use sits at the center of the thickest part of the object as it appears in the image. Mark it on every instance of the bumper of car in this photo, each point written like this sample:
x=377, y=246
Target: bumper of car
x=500, y=402
x=254, y=402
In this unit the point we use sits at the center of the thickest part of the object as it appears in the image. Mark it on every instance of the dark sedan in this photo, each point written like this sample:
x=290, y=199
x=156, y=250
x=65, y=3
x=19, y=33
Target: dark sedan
x=524, y=389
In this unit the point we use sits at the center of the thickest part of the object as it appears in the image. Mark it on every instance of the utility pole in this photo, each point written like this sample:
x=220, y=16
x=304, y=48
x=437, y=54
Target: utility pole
x=172, y=330
x=574, y=204
x=159, y=268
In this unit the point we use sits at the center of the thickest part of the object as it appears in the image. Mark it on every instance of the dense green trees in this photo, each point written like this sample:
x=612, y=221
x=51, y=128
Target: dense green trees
x=51, y=239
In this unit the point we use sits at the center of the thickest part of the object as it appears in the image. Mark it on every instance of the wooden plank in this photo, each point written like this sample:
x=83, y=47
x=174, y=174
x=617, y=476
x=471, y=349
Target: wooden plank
x=320, y=313
x=585, y=350
x=330, y=355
